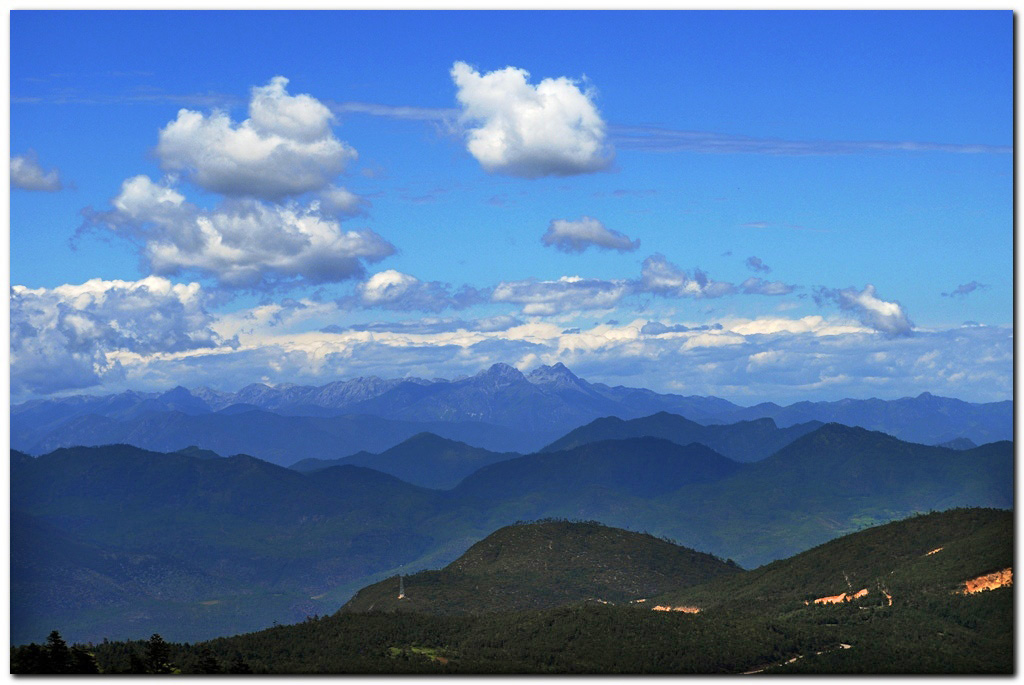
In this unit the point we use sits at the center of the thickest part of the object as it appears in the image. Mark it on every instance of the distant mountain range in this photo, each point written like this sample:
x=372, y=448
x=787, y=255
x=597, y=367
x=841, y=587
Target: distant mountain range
x=118, y=541
x=499, y=409
x=742, y=441
x=435, y=462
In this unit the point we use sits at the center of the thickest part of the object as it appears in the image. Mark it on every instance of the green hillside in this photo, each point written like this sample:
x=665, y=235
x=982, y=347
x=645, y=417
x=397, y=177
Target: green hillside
x=539, y=565
x=752, y=621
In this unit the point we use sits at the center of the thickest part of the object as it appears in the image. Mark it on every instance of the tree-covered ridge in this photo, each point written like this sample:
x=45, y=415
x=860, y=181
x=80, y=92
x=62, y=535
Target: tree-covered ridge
x=546, y=564
x=753, y=621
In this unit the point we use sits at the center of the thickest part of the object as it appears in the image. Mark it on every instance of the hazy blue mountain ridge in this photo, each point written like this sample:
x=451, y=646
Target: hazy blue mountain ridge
x=509, y=410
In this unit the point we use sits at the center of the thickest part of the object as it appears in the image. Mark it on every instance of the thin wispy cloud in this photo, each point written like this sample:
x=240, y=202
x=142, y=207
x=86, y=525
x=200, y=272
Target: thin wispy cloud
x=792, y=227
x=656, y=139
x=208, y=100
x=405, y=112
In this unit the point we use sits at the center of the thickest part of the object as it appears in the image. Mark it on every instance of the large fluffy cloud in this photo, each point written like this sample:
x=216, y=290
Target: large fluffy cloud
x=242, y=243
x=881, y=315
x=70, y=336
x=577, y=236
x=285, y=147
x=516, y=128
x=27, y=174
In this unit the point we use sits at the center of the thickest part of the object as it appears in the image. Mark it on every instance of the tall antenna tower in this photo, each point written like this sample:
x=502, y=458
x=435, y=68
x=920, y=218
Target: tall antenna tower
x=401, y=587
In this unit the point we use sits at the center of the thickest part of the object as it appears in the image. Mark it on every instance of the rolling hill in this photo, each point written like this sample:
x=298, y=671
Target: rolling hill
x=425, y=459
x=743, y=441
x=542, y=565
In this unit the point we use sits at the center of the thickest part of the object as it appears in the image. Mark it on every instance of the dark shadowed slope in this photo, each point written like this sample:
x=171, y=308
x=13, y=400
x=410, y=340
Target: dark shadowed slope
x=642, y=467
x=210, y=545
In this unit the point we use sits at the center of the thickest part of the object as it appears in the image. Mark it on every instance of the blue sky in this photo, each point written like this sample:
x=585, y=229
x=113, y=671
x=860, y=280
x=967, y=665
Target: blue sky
x=822, y=200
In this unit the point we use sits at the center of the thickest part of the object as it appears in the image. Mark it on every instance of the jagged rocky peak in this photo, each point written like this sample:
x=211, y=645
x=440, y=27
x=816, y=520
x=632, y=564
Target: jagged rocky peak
x=256, y=392
x=176, y=393
x=501, y=373
x=557, y=374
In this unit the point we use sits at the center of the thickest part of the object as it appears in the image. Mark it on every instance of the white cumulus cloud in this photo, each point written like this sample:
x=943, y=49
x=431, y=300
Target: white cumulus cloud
x=520, y=129
x=286, y=147
x=27, y=174
x=577, y=236
x=242, y=243
x=68, y=337
x=883, y=316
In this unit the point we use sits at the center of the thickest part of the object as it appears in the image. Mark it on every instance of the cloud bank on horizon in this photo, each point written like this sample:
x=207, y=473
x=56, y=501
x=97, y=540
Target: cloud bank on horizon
x=261, y=257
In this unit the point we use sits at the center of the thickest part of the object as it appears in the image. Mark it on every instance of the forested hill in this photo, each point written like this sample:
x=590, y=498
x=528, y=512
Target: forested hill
x=546, y=564
x=941, y=609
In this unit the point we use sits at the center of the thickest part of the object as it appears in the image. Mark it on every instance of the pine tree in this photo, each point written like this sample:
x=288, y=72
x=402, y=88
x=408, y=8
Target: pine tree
x=208, y=662
x=83, y=661
x=58, y=656
x=238, y=665
x=158, y=655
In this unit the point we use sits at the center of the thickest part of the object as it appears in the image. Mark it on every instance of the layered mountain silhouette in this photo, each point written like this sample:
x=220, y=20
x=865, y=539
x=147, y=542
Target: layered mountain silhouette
x=195, y=546
x=499, y=409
